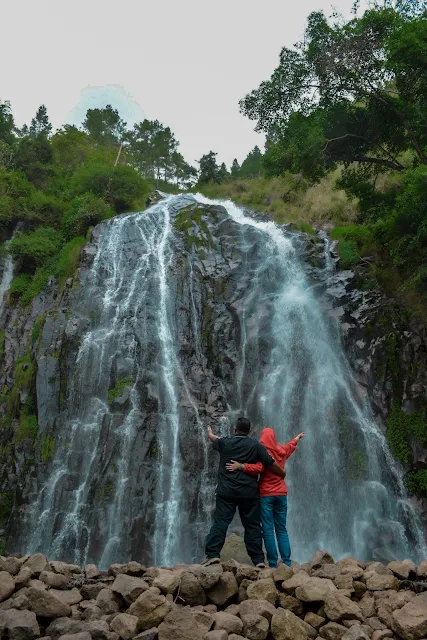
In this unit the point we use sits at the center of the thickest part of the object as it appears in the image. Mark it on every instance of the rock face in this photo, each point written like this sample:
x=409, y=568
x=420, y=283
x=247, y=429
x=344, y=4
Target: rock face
x=185, y=314
x=121, y=611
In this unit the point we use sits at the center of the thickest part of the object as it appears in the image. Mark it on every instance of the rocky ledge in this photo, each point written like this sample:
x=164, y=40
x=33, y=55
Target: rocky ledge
x=346, y=600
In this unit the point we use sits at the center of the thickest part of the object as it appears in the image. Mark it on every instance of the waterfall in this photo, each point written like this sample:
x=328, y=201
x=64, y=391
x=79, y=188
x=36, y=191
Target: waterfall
x=183, y=328
x=6, y=279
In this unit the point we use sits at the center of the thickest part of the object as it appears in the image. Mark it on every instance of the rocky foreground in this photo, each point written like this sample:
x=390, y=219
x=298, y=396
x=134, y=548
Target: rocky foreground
x=346, y=600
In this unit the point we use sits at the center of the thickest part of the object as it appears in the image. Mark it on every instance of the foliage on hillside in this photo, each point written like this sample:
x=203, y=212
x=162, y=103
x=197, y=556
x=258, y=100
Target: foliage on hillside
x=53, y=188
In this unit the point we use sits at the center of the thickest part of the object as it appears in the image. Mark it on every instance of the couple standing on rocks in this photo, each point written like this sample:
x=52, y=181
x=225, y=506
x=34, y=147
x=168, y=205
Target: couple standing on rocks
x=262, y=505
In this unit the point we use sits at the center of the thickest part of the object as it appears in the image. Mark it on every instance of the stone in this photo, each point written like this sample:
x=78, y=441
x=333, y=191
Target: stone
x=297, y=580
x=64, y=567
x=263, y=589
x=90, y=591
x=23, y=577
x=291, y=603
x=167, y=581
x=320, y=557
x=360, y=588
x=129, y=568
x=217, y=634
x=386, y=605
x=37, y=563
x=282, y=573
x=56, y=580
x=344, y=581
x=410, y=622
x=18, y=625
x=185, y=624
x=224, y=589
x=356, y=633
x=403, y=570
x=91, y=571
x=46, y=605
x=234, y=609
x=330, y=571
x=72, y=596
x=375, y=623
x=332, y=631
x=61, y=626
x=234, y=636
x=100, y=628
x=314, y=620
x=255, y=627
x=228, y=622
x=234, y=549
x=82, y=635
x=10, y=564
x=37, y=584
x=338, y=607
x=129, y=587
x=367, y=605
x=287, y=626
x=149, y=634
x=91, y=612
x=107, y=601
x=150, y=608
x=315, y=590
x=378, y=582
x=125, y=625
x=246, y=572
x=382, y=635
x=208, y=576
x=260, y=607
x=421, y=570
x=7, y=585
x=191, y=591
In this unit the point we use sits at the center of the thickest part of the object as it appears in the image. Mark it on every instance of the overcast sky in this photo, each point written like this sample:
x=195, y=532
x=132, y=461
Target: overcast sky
x=183, y=62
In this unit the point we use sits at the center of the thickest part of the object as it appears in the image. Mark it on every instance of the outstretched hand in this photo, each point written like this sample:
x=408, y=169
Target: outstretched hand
x=233, y=466
x=212, y=437
x=299, y=436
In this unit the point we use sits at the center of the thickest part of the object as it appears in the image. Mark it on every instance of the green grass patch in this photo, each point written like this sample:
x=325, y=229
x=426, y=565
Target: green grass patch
x=2, y=342
x=400, y=426
x=47, y=447
x=27, y=426
x=37, y=327
x=118, y=389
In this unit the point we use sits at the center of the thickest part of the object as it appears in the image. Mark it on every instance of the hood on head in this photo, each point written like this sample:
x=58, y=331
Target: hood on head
x=268, y=438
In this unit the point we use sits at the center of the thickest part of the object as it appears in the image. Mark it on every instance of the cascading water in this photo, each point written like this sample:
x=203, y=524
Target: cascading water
x=6, y=279
x=190, y=313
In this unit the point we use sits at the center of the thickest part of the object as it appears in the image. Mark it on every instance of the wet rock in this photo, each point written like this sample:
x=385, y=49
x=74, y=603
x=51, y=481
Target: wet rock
x=125, y=625
x=403, y=570
x=18, y=625
x=224, y=589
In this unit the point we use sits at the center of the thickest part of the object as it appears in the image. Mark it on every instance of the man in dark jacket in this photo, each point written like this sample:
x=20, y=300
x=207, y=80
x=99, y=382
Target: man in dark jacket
x=238, y=491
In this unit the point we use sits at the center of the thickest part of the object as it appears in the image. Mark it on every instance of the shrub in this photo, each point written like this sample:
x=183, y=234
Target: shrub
x=120, y=186
x=416, y=482
x=35, y=248
x=84, y=212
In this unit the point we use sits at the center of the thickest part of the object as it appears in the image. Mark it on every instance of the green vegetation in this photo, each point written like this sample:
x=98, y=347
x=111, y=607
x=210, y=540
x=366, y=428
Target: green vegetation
x=118, y=389
x=416, y=482
x=37, y=327
x=47, y=447
x=356, y=465
x=400, y=426
x=58, y=186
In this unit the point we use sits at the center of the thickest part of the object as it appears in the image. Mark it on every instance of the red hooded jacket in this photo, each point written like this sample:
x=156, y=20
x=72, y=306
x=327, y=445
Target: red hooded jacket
x=271, y=484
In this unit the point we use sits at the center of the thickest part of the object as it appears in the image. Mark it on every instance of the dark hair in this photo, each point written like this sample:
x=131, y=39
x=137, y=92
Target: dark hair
x=243, y=425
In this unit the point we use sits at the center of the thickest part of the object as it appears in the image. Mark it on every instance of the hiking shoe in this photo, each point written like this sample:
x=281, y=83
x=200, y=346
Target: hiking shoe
x=210, y=561
x=260, y=565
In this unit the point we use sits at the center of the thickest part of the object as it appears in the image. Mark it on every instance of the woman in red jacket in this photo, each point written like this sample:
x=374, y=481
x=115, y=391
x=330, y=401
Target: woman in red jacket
x=274, y=500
